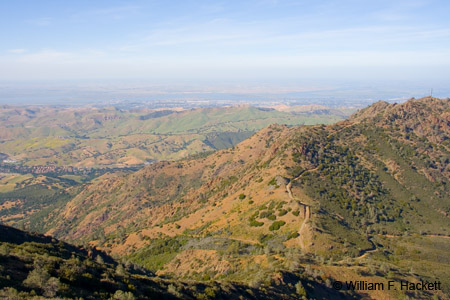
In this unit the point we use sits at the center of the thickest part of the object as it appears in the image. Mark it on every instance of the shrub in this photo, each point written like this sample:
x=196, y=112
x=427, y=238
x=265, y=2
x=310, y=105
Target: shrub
x=300, y=289
x=4, y=249
x=71, y=269
x=282, y=212
x=9, y=293
x=210, y=292
x=120, y=270
x=265, y=214
x=121, y=295
x=37, y=278
x=273, y=182
x=51, y=287
x=99, y=259
x=264, y=238
x=40, y=279
x=293, y=235
x=174, y=290
x=276, y=225
x=255, y=223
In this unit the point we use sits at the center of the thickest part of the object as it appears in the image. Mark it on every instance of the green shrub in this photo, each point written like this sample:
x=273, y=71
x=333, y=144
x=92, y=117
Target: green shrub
x=37, y=278
x=293, y=235
x=276, y=225
x=255, y=223
x=282, y=212
x=174, y=290
x=264, y=238
x=210, y=292
x=300, y=289
x=121, y=295
x=273, y=182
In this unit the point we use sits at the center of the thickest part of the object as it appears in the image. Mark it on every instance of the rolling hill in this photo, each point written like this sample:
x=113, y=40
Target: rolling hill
x=364, y=199
x=48, y=153
x=89, y=137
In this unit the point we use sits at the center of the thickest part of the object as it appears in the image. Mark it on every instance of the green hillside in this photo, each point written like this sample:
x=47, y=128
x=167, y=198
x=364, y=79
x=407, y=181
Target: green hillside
x=365, y=199
x=48, y=153
x=111, y=137
x=40, y=267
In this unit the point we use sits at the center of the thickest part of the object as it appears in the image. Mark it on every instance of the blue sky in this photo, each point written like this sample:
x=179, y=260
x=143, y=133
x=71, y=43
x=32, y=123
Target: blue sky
x=225, y=40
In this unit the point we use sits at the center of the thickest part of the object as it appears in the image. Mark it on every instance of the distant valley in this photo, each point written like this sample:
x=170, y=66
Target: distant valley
x=89, y=137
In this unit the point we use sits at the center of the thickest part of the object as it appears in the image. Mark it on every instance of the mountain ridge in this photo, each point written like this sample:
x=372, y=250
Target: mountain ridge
x=261, y=154
x=366, y=198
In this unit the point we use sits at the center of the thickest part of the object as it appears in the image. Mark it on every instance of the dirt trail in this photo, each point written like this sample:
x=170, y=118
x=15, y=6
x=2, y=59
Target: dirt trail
x=307, y=214
x=307, y=210
x=365, y=252
x=300, y=232
x=422, y=235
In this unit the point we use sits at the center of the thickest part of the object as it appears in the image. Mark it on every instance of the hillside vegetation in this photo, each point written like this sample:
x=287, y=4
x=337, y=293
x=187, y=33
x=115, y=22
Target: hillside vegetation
x=89, y=137
x=48, y=153
x=366, y=199
x=39, y=267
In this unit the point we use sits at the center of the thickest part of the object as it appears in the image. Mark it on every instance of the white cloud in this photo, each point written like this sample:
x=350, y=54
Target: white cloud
x=269, y=37
x=17, y=51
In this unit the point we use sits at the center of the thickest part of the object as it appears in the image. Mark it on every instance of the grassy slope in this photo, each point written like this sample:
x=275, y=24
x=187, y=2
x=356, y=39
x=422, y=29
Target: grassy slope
x=215, y=216
x=355, y=176
x=40, y=267
x=90, y=137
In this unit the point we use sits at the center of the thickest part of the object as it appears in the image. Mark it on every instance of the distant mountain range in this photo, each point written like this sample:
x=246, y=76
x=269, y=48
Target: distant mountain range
x=88, y=137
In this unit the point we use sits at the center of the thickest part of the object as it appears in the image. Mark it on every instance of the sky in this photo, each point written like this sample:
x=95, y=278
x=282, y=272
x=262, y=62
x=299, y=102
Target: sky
x=225, y=40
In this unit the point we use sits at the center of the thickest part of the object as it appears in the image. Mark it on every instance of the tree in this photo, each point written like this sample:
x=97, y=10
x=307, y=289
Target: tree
x=120, y=270
x=99, y=259
x=300, y=289
x=37, y=278
x=51, y=287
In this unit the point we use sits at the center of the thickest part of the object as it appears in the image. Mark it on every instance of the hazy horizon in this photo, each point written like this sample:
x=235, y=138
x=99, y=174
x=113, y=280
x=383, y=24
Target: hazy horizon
x=84, y=51
x=207, y=93
x=204, y=40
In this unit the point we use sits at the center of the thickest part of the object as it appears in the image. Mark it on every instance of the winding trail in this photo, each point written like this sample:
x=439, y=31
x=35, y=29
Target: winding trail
x=365, y=252
x=307, y=214
x=443, y=236
x=306, y=207
x=372, y=249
